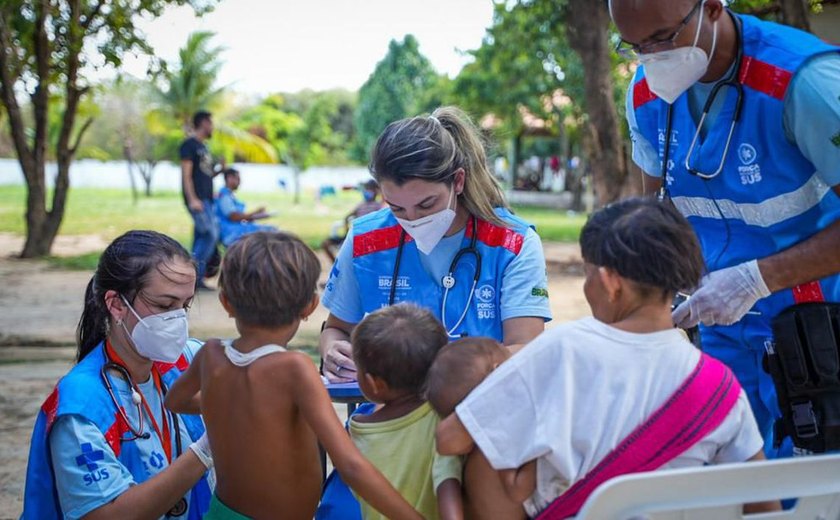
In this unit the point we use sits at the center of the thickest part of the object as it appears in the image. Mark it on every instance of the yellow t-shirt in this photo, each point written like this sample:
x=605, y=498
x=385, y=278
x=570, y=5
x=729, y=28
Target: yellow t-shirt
x=403, y=449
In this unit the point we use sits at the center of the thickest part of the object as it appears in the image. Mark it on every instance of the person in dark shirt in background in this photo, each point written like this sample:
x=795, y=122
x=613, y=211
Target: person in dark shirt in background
x=197, y=172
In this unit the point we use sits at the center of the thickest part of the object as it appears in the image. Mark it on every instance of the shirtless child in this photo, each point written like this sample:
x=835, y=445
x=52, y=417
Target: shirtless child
x=266, y=408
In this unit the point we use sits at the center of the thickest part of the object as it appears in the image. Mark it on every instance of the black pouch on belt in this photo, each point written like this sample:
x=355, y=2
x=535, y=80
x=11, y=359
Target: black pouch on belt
x=804, y=362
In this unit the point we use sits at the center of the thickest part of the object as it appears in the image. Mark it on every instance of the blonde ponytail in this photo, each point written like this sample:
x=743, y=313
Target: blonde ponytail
x=481, y=191
x=432, y=148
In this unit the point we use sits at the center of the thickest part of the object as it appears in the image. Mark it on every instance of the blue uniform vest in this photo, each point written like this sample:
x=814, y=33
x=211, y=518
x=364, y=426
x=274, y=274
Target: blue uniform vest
x=768, y=193
x=81, y=392
x=376, y=243
x=228, y=229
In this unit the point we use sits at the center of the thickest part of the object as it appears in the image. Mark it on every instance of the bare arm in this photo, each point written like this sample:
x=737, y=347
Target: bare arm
x=336, y=351
x=651, y=184
x=316, y=408
x=452, y=438
x=518, y=332
x=809, y=260
x=189, y=189
x=235, y=216
x=761, y=507
x=520, y=483
x=449, y=499
x=156, y=496
x=185, y=394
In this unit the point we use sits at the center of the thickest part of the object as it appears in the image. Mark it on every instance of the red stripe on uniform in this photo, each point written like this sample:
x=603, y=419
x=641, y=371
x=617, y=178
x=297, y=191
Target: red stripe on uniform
x=50, y=407
x=642, y=93
x=116, y=432
x=764, y=77
x=378, y=240
x=808, y=292
x=497, y=236
x=181, y=364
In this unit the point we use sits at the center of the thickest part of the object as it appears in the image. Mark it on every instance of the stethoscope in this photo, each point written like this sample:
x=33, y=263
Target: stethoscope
x=138, y=432
x=732, y=80
x=448, y=281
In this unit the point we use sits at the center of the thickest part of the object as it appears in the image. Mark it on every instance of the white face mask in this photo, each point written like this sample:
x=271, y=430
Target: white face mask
x=670, y=73
x=160, y=337
x=429, y=230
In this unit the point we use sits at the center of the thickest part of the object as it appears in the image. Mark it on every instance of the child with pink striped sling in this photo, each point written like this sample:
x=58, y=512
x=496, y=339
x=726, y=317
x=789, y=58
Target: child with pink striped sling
x=617, y=393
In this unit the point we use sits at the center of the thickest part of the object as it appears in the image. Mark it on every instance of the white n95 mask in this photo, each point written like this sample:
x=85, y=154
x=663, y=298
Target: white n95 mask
x=160, y=337
x=429, y=230
x=672, y=72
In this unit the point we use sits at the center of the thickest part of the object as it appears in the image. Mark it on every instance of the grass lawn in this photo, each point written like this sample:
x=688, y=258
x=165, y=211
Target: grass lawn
x=108, y=213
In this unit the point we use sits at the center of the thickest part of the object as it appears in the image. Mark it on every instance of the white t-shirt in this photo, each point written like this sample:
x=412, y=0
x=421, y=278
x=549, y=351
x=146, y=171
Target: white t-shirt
x=579, y=389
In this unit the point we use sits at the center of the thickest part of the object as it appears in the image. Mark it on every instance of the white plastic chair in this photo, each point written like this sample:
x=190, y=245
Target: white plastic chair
x=718, y=492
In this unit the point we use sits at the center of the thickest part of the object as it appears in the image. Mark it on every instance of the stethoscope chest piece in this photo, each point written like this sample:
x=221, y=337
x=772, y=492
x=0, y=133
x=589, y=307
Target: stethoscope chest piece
x=178, y=509
x=448, y=281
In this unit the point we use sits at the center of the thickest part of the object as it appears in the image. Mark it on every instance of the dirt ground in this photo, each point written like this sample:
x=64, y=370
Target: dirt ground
x=40, y=308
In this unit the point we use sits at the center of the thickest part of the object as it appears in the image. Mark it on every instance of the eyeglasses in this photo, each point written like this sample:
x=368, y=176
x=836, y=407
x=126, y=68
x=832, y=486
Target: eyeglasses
x=629, y=50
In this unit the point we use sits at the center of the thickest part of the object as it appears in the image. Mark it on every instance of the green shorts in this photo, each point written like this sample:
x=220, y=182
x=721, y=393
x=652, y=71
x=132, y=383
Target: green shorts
x=219, y=511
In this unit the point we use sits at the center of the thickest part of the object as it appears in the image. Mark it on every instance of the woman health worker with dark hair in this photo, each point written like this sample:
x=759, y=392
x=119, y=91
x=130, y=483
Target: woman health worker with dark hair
x=103, y=444
x=446, y=241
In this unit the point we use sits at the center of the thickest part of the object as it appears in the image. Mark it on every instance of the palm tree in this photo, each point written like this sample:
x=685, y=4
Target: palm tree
x=191, y=87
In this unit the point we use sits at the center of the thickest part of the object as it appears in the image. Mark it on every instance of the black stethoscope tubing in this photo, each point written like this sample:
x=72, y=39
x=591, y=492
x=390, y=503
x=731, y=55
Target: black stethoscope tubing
x=448, y=281
x=138, y=434
x=731, y=81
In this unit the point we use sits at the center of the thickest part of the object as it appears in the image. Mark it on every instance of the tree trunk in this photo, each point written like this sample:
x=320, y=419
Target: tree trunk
x=296, y=171
x=515, y=158
x=129, y=159
x=146, y=172
x=588, y=37
x=795, y=14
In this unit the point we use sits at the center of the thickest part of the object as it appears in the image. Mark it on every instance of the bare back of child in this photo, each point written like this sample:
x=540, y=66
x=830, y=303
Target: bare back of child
x=265, y=408
x=259, y=420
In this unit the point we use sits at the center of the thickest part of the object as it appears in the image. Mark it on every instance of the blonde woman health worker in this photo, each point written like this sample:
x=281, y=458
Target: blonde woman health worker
x=446, y=240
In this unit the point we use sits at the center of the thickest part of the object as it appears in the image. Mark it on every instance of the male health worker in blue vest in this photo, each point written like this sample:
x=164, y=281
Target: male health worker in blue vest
x=742, y=119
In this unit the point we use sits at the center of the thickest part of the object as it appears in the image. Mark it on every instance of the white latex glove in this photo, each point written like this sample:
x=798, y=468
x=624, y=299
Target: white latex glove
x=201, y=448
x=724, y=296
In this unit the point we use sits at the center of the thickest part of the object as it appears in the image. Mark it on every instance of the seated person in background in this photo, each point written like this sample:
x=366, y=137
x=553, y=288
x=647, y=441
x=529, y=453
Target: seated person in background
x=399, y=436
x=371, y=203
x=620, y=392
x=265, y=408
x=234, y=222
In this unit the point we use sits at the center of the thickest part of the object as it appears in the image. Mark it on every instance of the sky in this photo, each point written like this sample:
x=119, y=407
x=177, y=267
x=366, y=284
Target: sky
x=290, y=45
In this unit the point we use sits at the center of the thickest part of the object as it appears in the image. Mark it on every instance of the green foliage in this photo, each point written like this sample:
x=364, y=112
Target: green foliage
x=525, y=62
x=190, y=87
x=770, y=9
x=393, y=91
x=523, y=59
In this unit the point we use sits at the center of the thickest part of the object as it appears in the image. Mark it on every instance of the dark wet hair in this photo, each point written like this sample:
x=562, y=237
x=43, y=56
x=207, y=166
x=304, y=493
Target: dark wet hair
x=460, y=367
x=124, y=267
x=269, y=278
x=432, y=148
x=398, y=344
x=647, y=242
x=200, y=116
x=229, y=172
